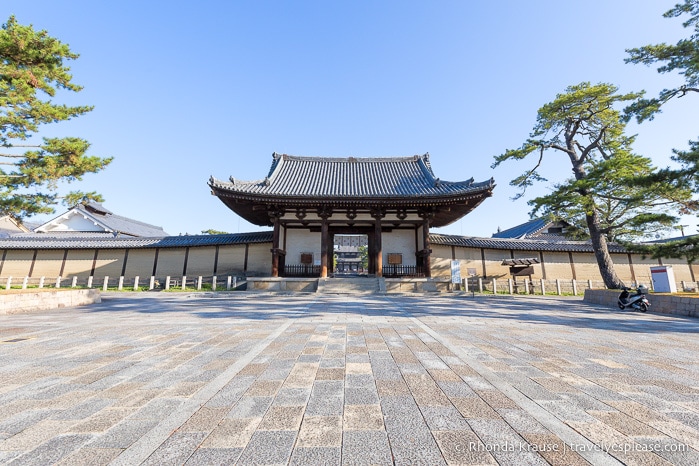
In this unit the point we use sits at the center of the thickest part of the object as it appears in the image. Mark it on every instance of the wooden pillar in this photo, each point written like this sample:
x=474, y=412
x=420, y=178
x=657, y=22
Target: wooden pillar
x=426, y=243
x=324, y=212
x=378, y=214
x=275, y=248
x=324, y=239
x=425, y=253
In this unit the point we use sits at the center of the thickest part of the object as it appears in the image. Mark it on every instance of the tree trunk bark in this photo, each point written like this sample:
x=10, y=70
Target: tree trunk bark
x=604, y=259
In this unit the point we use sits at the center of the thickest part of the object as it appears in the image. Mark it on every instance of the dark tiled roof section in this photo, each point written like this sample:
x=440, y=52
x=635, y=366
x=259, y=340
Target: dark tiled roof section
x=49, y=241
x=519, y=244
x=523, y=230
x=124, y=225
x=58, y=242
x=351, y=177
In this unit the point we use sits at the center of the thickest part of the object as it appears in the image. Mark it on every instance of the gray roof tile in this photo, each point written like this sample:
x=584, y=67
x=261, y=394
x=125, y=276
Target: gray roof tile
x=292, y=176
x=65, y=241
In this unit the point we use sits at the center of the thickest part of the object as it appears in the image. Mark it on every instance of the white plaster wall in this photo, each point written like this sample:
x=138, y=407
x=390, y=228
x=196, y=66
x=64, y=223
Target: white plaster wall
x=399, y=242
x=298, y=241
x=75, y=222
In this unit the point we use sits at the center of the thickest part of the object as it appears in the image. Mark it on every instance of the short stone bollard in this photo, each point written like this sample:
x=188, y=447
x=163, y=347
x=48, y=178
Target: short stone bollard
x=213, y=283
x=41, y=282
x=106, y=283
x=121, y=283
x=58, y=282
x=74, y=282
x=89, y=281
x=167, y=282
x=135, y=283
x=9, y=283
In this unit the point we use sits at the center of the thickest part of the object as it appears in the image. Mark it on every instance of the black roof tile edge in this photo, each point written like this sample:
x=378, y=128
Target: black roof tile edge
x=266, y=237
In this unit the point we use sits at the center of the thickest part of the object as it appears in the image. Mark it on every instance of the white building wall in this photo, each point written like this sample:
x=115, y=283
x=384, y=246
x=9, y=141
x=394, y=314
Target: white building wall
x=399, y=242
x=301, y=241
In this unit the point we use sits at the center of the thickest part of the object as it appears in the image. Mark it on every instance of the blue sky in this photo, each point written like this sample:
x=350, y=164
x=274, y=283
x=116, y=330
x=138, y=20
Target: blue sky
x=186, y=90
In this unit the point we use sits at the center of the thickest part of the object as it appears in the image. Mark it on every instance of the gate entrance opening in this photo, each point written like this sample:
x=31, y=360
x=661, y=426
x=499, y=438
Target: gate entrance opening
x=350, y=255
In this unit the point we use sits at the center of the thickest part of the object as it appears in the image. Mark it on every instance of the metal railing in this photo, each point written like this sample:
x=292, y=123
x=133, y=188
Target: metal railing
x=301, y=270
x=400, y=271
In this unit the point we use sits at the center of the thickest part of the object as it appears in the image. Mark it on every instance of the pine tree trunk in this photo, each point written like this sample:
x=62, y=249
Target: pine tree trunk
x=604, y=260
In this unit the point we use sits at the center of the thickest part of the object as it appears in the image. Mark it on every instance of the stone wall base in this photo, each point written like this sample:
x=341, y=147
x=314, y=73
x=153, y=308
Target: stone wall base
x=307, y=285
x=31, y=301
x=661, y=303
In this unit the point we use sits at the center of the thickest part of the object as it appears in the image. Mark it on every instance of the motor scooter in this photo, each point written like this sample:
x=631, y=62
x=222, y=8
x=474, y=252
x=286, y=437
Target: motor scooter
x=636, y=301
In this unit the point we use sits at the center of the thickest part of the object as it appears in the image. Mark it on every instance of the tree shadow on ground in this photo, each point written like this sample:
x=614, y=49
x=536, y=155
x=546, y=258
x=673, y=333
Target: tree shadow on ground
x=535, y=311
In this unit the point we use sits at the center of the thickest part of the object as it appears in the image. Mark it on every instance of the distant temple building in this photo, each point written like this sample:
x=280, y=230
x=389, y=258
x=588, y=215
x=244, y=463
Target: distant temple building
x=309, y=200
x=93, y=219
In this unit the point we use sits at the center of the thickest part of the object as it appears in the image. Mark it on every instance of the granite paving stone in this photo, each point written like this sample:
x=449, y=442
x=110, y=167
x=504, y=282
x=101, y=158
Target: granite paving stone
x=268, y=447
x=176, y=449
x=265, y=378
x=366, y=447
x=214, y=456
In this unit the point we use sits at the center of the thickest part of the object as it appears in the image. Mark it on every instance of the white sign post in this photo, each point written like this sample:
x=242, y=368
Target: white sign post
x=456, y=271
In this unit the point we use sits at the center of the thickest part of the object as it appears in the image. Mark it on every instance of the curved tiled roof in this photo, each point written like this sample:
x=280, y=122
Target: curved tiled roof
x=519, y=244
x=350, y=177
x=360, y=183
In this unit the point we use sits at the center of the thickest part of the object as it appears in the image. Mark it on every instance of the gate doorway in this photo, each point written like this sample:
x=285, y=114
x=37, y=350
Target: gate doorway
x=350, y=254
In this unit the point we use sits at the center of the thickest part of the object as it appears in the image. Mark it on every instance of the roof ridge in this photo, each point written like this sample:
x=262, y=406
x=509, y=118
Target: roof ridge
x=310, y=158
x=135, y=221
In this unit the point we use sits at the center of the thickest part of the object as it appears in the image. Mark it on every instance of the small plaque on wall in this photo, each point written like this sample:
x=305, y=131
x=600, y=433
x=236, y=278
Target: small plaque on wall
x=306, y=258
x=395, y=259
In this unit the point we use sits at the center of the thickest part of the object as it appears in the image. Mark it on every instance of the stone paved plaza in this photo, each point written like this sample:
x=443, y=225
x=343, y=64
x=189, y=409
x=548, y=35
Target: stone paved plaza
x=174, y=378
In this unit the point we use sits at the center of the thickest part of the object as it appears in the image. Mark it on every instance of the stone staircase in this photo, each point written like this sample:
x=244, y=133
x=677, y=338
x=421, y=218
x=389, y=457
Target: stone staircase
x=349, y=285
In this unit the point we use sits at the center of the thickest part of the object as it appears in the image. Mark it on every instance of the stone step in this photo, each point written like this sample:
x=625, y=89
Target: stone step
x=364, y=285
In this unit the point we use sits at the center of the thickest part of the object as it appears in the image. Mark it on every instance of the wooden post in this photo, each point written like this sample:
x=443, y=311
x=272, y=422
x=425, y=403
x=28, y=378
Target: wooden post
x=378, y=213
x=275, y=247
x=426, y=244
x=324, y=239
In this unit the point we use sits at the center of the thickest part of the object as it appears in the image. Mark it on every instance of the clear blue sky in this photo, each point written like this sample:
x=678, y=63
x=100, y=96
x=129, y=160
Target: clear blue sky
x=183, y=90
